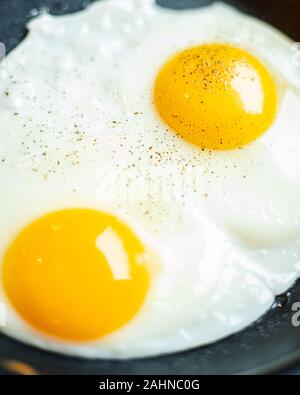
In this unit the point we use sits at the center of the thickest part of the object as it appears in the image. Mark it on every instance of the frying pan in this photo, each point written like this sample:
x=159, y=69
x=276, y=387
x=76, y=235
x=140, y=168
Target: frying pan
x=271, y=343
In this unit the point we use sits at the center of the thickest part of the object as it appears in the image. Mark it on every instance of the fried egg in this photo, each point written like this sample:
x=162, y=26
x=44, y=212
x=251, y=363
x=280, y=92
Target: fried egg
x=150, y=178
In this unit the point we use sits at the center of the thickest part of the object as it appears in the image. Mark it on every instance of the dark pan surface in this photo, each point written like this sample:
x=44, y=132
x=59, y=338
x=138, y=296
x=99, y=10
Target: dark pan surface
x=269, y=344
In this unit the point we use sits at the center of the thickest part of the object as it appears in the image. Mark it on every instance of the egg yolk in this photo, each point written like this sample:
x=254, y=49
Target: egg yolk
x=216, y=96
x=76, y=274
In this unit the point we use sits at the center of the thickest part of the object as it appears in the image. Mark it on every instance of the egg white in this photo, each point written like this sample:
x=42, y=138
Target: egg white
x=79, y=130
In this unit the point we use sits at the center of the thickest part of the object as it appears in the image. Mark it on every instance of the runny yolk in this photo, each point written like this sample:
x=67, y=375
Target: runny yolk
x=216, y=96
x=77, y=274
